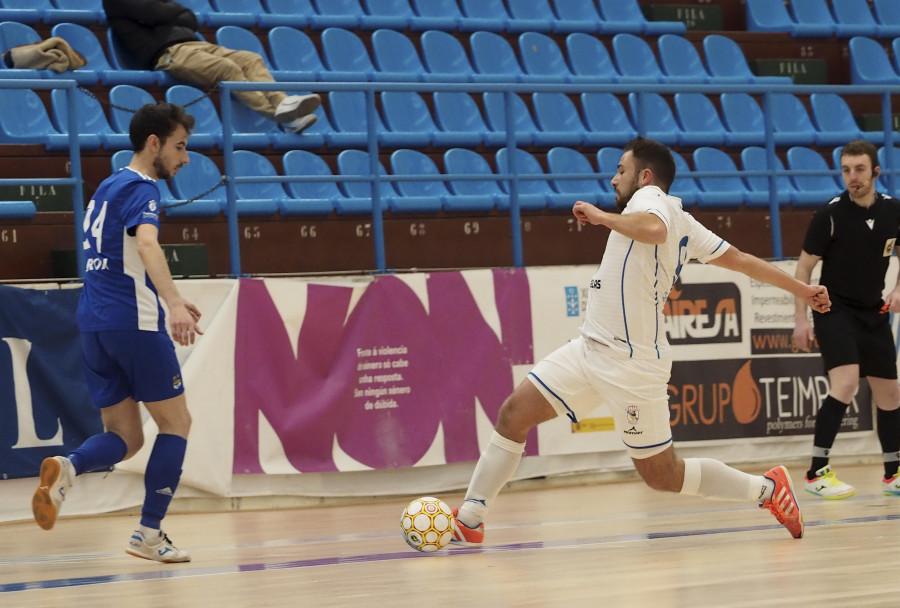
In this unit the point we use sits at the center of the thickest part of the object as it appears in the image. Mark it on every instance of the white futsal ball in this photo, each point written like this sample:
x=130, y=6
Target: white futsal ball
x=425, y=524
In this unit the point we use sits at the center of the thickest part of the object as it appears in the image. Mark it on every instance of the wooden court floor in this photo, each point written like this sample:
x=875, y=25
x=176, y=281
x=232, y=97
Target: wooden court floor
x=604, y=544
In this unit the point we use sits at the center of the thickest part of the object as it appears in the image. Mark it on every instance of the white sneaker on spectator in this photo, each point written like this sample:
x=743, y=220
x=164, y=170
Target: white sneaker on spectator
x=293, y=107
x=298, y=125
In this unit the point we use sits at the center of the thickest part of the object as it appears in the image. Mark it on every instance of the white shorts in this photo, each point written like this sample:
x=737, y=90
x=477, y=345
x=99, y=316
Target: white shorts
x=582, y=375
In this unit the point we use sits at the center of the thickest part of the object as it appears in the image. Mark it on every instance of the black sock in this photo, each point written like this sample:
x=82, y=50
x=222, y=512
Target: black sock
x=828, y=423
x=888, y=426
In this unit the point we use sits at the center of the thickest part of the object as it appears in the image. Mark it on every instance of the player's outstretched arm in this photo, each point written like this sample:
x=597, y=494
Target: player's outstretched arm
x=816, y=296
x=643, y=227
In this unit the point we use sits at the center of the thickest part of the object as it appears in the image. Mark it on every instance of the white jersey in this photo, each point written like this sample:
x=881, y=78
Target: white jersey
x=628, y=291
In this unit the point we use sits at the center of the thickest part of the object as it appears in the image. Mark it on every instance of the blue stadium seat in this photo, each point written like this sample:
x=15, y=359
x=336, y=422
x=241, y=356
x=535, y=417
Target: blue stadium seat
x=490, y=15
x=886, y=168
x=726, y=63
x=541, y=57
x=658, y=119
x=394, y=52
x=345, y=54
x=437, y=15
x=869, y=63
x=130, y=97
x=768, y=16
x=680, y=61
x=753, y=158
x=207, y=131
x=285, y=13
x=257, y=198
x=684, y=187
x=425, y=196
x=606, y=119
x=195, y=178
x=348, y=114
x=635, y=60
x=24, y=11
x=724, y=191
x=895, y=47
x=120, y=160
x=122, y=60
x=792, y=122
x=85, y=12
x=472, y=195
x=533, y=194
x=495, y=60
x=608, y=158
x=241, y=39
x=887, y=13
x=589, y=58
x=538, y=16
x=93, y=127
x=249, y=125
x=813, y=19
x=391, y=14
x=98, y=68
x=410, y=123
x=445, y=58
x=456, y=112
x=293, y=52
x=744, y=118
x=626, y=16
x=17, y=210
x=358, y=195
x=583, y=14
x=241, y=13
x=816, y=189
x=700, y=121
x=558, y=121
x=563, y=161
x=854, y=18
x=834, y=120
x=308, y=197
x=345, y=14
x=495, y=114
x=13, y=34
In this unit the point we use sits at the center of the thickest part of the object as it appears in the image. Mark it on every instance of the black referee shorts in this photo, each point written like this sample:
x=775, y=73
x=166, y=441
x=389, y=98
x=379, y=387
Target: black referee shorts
x=853, y=336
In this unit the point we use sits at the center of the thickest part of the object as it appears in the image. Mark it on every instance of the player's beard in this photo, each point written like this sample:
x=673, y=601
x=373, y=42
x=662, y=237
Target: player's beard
x=622, y=199
x=162, y=172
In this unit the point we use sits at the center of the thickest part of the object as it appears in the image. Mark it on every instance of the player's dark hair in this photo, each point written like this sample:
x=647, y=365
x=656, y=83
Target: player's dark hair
x=650, y=154
x=160, y=119
x=859, y=147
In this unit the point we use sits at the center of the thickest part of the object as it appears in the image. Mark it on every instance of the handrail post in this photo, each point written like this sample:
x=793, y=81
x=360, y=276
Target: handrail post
x=234, y=246
x=514, y=211
x=75, y=172
x=774, y=211
x=372, y=142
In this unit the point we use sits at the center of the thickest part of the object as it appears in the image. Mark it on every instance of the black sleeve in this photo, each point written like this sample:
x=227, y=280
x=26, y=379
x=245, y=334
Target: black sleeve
x=151, y=12
x=818, y=235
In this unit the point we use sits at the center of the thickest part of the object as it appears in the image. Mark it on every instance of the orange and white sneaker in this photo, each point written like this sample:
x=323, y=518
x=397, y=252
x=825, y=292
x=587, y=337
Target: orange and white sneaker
x=891, y=487
x=56, y=474
x=826, y=485
x=782, y=504
x=463, y=535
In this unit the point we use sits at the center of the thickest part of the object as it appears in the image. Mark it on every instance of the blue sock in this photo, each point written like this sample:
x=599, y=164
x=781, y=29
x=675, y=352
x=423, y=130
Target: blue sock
x=161, y=478
x=98, y=453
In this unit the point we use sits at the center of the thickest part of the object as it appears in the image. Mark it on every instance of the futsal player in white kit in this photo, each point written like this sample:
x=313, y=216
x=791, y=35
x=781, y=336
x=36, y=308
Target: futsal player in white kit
x=622, y=358
x=128, y=356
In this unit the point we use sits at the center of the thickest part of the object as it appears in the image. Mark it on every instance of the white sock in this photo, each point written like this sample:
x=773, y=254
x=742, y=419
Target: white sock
x=150, y=534
x=713, y=479
x=497, y=464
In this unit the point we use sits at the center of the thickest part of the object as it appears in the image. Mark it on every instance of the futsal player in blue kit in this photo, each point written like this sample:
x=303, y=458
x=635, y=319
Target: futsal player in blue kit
x=622, y=358
x=128, y=356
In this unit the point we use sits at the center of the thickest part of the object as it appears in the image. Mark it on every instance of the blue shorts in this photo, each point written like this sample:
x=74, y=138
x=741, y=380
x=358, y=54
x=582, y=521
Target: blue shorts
x=130, y=363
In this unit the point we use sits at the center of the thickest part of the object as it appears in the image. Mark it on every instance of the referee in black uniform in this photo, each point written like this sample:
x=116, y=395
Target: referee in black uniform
x=854, y=235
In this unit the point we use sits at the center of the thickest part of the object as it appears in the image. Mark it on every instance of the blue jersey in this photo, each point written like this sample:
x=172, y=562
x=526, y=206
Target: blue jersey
x=117, y=292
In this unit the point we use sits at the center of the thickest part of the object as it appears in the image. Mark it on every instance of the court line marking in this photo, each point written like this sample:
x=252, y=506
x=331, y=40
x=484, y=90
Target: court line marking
x=408, y=554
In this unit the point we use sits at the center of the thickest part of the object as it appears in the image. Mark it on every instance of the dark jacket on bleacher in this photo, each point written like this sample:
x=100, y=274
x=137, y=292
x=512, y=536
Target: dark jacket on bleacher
x=146, y=28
